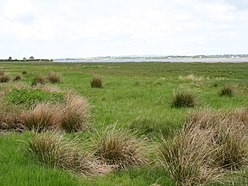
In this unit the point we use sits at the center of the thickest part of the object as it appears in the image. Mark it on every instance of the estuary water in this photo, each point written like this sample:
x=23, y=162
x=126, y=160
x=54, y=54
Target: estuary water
x=187, y=60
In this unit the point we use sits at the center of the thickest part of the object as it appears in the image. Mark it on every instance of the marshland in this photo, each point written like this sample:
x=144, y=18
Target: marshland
x=123, y=123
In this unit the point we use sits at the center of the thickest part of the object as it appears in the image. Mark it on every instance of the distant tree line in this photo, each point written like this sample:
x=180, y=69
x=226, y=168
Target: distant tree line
x=31, y=58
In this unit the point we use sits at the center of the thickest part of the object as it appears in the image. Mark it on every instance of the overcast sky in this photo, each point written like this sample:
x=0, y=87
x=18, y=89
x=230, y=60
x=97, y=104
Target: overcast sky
x=81, y=28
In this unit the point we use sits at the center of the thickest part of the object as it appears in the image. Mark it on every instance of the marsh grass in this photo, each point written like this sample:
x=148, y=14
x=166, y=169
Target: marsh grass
x=4, y=79
x=75, y=113
x=96, y=82
x=43, y=116
x=226, y=91
x=53, y=77
x=229, y=135
x=38, y=80
x=56, y=151
x=188, y=157
x=121, y=148
x=183, y=99
x=17, y=78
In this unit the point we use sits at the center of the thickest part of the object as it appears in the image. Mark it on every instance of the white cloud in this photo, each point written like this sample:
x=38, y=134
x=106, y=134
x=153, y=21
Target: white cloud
x=61, y=28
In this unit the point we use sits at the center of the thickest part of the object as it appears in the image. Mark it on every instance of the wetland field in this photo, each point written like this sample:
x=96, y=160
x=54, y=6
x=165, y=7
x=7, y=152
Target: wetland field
x=123, y=124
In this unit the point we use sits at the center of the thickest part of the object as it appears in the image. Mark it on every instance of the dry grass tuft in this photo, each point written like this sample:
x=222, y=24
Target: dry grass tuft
x=17, y=78
x=75, y=113
x=230, y=135
x=38, y=80
x=96, y=83
x=2, y=73
x=43, y=116
x=4, y=79
x=53, y=77
x=188, y=157
x=121, y=148
x=10, y=121
x=56, y=151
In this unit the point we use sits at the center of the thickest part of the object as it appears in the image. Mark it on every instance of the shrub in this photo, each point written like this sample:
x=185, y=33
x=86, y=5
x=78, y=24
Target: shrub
x=38, y=80
x=17, y=78
x=43, y=116
x=53, y=77
x=121, y=148
x=4, y=79
x=183, y=100
x=96, y=83
x=24, y=72
x=54, y=150
x=75, y=113
x=226, y=91
x=188, y=157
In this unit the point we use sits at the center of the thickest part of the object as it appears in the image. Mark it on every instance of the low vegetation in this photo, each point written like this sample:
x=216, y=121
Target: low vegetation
x=57, y=151
x=226, y=91
x=53, y=77
x=183, y=100
x=96, y=83
x=71, y=139
x=121, y=148
x=74, y=113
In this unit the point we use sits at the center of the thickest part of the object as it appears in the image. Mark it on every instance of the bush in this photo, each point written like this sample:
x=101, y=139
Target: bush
x=17, y=78
x=38, y=80
x=121, y=148
x=226, y=91
x=43, y=116
x=188, y=157
x=53, y=77
x=56, y=151
x=75, y=113
x=183, y=100
x=4, y=79
x=96, y=83
x=24, y=72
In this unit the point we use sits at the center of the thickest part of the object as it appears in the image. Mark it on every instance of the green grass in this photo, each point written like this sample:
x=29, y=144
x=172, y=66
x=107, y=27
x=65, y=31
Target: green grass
x=135, y=95
x=29, y=97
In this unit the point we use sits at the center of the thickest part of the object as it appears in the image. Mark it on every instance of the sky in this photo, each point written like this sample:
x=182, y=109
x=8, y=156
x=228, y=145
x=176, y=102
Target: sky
x=87, y=28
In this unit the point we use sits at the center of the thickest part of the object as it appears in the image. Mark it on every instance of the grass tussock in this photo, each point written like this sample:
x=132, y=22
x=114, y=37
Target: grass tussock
x=183, y=99
x=74, y=114
x=10, y=121
x=24, y=72
x=43, y=116
x=2, y=73
x=230, y=135
x=56, y=151
x=17, y=78
x=188, y=157
x=121, y=148
x=38, y=80
x=53, y=77
x=96, y=83
x=4, y=79
x=226, y=91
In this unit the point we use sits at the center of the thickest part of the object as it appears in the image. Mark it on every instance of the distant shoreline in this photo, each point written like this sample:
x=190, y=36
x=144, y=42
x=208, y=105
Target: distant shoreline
x=172, y=60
